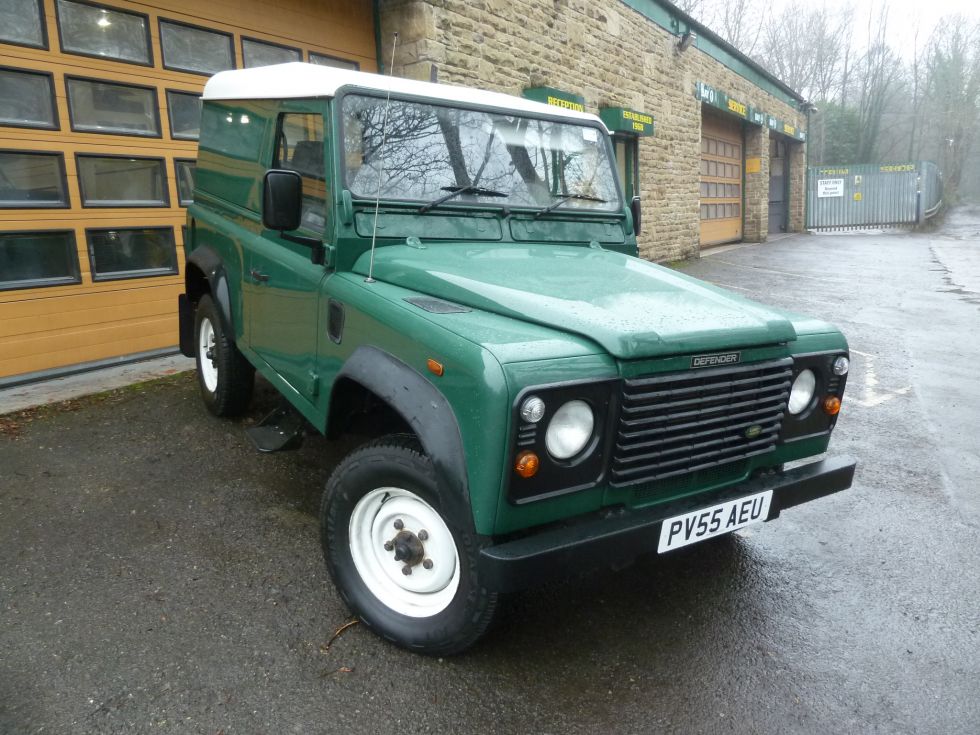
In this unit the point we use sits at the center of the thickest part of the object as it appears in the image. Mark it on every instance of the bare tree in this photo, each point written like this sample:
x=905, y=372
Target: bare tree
x=806, y=47
x=877, y=72
x=953, y=94
x=694, y=8
x=740, y=22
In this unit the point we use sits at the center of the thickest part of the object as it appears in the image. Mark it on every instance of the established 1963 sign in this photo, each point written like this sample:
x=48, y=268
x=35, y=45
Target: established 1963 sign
x=830, y=188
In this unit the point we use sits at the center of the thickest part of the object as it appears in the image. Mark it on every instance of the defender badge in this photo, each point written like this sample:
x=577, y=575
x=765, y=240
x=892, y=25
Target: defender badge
x=753, y=431
x=727, y=358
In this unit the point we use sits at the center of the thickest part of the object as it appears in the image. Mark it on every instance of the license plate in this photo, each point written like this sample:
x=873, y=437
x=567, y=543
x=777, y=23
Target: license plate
x=699, y=525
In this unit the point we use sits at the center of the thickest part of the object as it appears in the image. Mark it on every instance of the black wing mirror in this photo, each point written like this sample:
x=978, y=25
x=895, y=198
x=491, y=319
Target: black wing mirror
x=282, y=200
x=637, y=214
x=282, y=209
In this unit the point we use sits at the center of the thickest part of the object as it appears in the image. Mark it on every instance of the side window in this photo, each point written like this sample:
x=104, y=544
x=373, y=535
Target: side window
x=299, y=148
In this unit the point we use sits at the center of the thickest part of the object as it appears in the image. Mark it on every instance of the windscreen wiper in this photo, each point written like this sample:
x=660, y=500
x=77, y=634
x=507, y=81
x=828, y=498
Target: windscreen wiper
x=455, y=191
x=562, y=198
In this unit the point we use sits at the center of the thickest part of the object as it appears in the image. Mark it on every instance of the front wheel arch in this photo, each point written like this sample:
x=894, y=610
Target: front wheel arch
x=423, y=409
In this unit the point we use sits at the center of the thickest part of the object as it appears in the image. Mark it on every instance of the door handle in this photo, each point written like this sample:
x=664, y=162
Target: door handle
x=257, y=276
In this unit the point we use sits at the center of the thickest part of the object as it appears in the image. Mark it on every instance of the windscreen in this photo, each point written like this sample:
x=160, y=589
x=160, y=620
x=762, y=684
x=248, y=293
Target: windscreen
x=486, y=157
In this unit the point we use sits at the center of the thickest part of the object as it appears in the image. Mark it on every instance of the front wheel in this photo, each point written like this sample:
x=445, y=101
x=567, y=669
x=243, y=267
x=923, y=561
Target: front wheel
x=225, y=377
x=400, y=563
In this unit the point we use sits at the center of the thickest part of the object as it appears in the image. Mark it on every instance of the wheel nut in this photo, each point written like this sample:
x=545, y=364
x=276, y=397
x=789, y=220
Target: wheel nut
x=399, y=525
x=406, y=570
x=389, y=546
x=423, y=535
x=427, y=563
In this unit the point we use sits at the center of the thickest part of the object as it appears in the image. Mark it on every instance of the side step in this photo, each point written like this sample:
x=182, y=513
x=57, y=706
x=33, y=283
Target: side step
x=282, y=429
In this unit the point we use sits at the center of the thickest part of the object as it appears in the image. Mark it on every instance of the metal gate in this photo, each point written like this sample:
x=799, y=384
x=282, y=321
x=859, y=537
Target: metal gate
x=872, y=195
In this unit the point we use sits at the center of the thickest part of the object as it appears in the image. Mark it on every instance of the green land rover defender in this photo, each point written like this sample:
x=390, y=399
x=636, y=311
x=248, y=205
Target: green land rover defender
x=453, y=275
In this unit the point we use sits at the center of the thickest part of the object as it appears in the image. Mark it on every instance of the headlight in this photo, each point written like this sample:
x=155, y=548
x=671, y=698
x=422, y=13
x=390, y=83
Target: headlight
x=569, y=430
x=801, y=393
x=841, y=365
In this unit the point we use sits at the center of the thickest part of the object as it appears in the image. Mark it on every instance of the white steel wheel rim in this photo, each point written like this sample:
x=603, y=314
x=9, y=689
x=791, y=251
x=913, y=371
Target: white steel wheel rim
x=424, y=592
x=205, y=347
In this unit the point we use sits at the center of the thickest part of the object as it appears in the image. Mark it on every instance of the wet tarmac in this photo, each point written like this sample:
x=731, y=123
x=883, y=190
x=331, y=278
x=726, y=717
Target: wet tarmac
x=159, y=575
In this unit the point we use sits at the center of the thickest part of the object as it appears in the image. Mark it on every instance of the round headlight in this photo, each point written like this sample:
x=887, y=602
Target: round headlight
x=801, y=393
x=841, y=365
x=569, y=430
x=532, y=410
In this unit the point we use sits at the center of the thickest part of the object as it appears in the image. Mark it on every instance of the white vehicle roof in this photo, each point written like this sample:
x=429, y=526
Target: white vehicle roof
x=299, y=80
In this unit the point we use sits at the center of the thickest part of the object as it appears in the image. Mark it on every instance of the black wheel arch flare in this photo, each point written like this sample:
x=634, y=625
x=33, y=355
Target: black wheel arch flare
x=204, y=260
x=426, y=411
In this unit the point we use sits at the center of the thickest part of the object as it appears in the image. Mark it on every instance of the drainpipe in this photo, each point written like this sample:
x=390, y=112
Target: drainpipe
x=807, y=108
x=376, y=11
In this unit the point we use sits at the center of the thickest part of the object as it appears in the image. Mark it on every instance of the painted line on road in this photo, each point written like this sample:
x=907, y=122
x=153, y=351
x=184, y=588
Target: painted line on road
x=777, y=272
x=728, y=285
x=872, y=397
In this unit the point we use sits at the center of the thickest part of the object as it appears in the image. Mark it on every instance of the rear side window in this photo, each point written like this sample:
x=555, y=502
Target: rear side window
x=232, y=151
x=299, y=148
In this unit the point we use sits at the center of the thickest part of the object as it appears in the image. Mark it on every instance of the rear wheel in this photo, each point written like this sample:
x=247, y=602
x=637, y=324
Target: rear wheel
x=224, y=375
x=406, y=568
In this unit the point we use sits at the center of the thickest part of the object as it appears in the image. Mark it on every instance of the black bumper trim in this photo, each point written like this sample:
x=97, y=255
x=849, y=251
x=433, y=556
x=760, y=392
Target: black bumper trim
x=618, y=539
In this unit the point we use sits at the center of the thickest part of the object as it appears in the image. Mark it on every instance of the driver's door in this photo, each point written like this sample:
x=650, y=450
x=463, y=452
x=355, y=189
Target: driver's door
x=281, y=304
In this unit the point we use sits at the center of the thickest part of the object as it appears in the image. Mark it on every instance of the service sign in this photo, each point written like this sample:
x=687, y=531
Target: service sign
x=785, y=128
x=830, y=188
x=715, y=98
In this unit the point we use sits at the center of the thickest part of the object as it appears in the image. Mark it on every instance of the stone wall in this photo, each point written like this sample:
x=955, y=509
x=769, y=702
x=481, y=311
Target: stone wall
x=613, y=56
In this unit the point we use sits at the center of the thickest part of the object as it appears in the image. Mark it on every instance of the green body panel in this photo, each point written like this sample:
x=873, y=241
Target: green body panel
x=434, y=225
x=473, y=381
x=630, y=307
x=539, y=302
x=526, y=229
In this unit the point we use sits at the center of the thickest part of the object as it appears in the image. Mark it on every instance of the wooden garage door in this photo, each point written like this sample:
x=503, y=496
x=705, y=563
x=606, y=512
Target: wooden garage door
x=721, y=181
x=99, y=117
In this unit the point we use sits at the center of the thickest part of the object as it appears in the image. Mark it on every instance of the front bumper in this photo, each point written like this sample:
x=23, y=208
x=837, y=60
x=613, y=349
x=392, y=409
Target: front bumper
x=618, y=539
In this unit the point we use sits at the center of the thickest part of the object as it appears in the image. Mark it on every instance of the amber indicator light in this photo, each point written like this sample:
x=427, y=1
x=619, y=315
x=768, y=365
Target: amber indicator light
x=831, y=405
x=435, y=368
x=527, y=464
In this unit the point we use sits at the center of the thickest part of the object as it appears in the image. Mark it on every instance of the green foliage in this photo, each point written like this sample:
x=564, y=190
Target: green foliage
x=834, y=135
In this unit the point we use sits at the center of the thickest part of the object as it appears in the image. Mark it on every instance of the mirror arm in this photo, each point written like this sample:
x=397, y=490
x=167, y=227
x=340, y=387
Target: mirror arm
x=315, y=244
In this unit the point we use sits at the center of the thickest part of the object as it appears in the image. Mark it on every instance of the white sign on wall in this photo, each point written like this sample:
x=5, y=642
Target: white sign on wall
x=830, y=188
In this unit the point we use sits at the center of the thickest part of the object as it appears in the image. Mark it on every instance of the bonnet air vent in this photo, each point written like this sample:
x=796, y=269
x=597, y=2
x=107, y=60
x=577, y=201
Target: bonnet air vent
x=436, y=306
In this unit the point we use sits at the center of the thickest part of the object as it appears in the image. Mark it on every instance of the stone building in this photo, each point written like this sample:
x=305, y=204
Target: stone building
x=724, y=158
x=98, y=128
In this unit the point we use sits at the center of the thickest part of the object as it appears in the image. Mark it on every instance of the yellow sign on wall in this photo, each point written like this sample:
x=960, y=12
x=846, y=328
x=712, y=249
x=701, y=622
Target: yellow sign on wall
x=753, y=165
x=857, y=196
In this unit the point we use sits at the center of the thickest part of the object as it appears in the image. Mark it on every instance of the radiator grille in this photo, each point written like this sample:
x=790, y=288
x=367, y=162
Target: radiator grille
x=678, y=423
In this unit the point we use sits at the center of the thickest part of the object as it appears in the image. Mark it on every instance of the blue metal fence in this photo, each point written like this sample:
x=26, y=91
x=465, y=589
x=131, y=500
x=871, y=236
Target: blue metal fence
x=871, y=195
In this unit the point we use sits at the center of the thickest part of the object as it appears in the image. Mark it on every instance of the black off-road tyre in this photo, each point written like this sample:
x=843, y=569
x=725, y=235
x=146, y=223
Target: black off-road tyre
x=375, y=473
x=225, y=377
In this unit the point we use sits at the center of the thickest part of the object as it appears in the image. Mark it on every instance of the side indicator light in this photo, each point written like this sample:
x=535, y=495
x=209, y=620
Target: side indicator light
x=527, y=464
x=435, y=368
x=831, y=405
